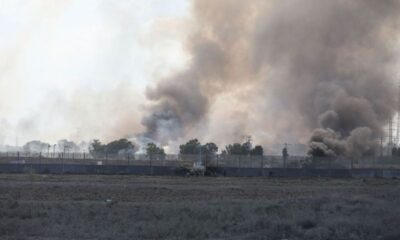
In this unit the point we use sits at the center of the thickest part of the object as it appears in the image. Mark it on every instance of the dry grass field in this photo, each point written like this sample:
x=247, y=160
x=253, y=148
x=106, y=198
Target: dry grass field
x=133, y=207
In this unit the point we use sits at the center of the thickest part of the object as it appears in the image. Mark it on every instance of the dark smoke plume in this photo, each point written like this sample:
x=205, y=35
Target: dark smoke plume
x=327, y=64
x=219, y=61
x=335, y=58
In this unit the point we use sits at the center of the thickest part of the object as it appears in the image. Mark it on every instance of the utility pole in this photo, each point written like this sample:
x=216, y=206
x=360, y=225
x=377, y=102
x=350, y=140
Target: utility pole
x=64, y=155
x=398, y=117
x=201, y=160
x=285, y=154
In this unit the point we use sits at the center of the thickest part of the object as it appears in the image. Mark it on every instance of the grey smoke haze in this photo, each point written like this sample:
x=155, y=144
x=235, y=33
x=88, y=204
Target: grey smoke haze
x=323, y=65
x=333, y=60
x=219, y=63
x=82, y=66
x=63, y=145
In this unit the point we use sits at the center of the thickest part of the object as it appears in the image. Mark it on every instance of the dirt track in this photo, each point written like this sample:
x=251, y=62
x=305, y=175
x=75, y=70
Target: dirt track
x=129, y=207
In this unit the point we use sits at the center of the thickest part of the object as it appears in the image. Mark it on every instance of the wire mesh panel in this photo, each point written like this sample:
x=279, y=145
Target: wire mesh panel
x=208, y=160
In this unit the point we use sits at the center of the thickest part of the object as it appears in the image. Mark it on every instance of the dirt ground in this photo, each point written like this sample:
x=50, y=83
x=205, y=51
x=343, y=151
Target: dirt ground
x=133, y=207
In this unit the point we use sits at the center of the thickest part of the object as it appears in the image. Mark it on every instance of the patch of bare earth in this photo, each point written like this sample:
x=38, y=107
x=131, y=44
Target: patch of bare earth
x=131, y=207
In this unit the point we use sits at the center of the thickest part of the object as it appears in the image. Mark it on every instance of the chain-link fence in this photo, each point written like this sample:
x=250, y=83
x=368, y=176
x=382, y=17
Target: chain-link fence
x=188, y=161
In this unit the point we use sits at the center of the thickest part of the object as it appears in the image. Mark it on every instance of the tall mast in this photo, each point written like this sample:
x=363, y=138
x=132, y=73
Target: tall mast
x=398, y=118
x=390, y=134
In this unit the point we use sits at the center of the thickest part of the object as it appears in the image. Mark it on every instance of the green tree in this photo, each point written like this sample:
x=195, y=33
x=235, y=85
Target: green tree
x=191, y=147
x=67, y=146
x=257, y=151
x=235, y=149
x=117, y=146
x=244, y=149
x=209, y=148
x=96, y=147
x=194, y=146
x=152, y=149
x=35, y=146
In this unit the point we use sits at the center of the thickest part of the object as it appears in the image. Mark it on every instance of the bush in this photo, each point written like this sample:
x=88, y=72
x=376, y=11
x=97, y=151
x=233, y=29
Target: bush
x=29, y=170
x=181, y=171
x=214, y=171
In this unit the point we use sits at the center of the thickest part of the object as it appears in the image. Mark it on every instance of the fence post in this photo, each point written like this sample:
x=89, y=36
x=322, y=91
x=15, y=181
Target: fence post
x=106, y=163
x=262, y=165
x=31, y=162
x=352, y=163
x=40, y=162
x=62, y=162
x=239, y=158
x=151, y=164
x=284, y=162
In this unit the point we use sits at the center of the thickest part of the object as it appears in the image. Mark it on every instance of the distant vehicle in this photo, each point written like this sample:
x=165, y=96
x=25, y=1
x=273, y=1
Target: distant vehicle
x=198, y=168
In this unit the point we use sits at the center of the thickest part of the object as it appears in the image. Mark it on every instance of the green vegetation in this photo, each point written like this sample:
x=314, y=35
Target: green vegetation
x=35, y=146
x=114, y=147
x=244, y=149
x=194, y=146
x=152, y=149
x=154, y=152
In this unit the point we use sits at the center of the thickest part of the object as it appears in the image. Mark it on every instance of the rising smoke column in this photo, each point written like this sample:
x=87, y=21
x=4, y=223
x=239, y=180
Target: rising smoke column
x=220, y=62
x=327, y=64
x=331, y=60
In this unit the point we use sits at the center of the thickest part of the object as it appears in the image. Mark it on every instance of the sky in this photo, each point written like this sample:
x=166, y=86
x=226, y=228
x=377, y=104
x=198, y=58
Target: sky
x=217, y=70
x=79, y=69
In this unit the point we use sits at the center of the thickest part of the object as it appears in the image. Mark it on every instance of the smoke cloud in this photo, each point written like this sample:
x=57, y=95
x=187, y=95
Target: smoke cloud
x=220, y=62
x=78, y=69
x=321, y=70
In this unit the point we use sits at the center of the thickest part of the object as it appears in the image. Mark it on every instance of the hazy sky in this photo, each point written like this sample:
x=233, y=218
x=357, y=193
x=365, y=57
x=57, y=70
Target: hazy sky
x=74, y=69
x=217, y=70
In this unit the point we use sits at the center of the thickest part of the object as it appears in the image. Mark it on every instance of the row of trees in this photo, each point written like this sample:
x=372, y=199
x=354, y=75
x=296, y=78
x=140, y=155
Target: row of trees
x=192, y=147
x=124, y=146
x=61, y=146
x=195, y=147
x=153, y=149
x=243, y=149
x=121, y=146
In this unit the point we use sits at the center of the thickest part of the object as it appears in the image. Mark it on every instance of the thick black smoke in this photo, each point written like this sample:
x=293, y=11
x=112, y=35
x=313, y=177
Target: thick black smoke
x=327, y=64
x=334, y=60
